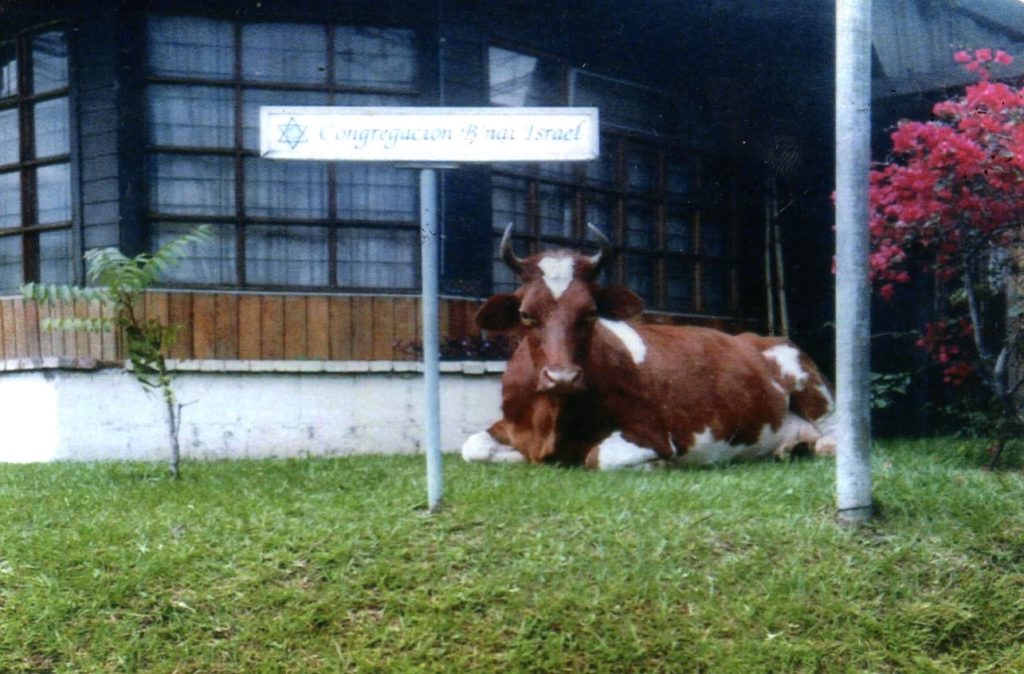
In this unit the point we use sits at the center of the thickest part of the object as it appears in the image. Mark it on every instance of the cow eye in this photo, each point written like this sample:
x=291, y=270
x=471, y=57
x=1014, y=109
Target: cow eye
x=527, y=319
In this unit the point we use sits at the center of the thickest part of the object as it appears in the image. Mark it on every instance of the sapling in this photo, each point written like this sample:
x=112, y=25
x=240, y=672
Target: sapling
x=120, y=282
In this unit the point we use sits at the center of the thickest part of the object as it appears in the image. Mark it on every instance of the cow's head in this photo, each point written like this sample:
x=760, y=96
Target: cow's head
x=556, y=308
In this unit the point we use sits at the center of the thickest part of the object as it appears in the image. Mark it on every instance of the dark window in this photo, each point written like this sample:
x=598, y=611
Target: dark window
x=35, y=154
x=644, y=191
x=277, y=223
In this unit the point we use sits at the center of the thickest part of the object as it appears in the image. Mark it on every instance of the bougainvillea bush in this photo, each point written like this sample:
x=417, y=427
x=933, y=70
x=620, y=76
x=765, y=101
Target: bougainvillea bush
x=949, y=203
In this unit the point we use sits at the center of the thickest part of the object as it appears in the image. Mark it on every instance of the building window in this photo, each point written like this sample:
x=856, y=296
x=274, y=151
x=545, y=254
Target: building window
x=277, y=223
x=645, y=191
x=35, y=159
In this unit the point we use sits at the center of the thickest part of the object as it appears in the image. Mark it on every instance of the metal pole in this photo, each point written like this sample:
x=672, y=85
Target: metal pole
x=853, y=292
x=429, y=247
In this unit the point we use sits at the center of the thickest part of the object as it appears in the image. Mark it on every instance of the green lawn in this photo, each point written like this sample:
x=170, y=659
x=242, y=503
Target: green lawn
x=333, y=565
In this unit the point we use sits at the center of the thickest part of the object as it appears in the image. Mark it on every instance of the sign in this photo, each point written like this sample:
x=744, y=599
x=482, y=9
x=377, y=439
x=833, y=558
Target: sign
x=429, y=134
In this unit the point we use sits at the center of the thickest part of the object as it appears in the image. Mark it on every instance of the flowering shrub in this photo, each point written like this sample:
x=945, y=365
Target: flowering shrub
x=949, y=202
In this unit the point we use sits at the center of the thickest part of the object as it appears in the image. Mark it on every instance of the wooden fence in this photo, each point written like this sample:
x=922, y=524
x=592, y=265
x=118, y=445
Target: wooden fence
x=246, y=327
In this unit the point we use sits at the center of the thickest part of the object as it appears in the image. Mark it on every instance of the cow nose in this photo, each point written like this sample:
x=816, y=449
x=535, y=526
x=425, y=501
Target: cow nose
x=560, y=378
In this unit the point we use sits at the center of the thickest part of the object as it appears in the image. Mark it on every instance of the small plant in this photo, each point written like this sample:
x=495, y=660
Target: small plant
x=120, y=283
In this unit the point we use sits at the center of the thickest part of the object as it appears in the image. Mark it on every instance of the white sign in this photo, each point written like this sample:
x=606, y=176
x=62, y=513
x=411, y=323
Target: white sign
x=429, y=134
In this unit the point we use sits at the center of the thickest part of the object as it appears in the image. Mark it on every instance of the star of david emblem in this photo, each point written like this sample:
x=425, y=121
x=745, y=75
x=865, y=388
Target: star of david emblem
x=292, y=134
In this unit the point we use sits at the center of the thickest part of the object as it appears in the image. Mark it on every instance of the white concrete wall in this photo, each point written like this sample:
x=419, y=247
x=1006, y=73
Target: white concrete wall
x=239, y=409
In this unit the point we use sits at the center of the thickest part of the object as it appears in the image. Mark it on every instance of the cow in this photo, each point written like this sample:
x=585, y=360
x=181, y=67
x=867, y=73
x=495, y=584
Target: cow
x=589, y=385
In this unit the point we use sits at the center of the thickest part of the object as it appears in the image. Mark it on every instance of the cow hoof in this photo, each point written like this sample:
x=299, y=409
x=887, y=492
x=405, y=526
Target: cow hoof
x=616, y=452
x=483, y=447
x=825, y=446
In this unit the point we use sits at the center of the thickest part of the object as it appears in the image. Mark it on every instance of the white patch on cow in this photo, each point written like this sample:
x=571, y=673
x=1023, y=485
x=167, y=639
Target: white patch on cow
x=558, y=272
x=483, y=447
x=788, y=360
x=629, y=337
x=793, y=430
x=827, y=395
x=672, y=444
x=617, y=452
x=778, y=387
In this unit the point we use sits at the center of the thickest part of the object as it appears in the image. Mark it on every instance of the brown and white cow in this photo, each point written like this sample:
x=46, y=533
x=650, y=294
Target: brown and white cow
x=587, y=386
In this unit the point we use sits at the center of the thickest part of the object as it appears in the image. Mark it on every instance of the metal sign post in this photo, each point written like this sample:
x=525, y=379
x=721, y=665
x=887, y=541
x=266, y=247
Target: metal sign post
x=429, y=138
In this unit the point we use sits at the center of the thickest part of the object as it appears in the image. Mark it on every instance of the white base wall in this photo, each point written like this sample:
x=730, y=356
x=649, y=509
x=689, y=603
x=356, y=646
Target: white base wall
x=238, y=409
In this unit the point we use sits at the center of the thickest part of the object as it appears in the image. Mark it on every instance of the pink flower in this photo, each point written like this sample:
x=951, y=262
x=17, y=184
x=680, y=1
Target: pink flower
x=983, y=55
x=962, y=57
x=1003, y=58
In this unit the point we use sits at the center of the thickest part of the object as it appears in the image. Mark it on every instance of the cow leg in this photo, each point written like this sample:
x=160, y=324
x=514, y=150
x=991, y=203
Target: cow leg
x=490, y=446
x=616, y=452
x=796, y=430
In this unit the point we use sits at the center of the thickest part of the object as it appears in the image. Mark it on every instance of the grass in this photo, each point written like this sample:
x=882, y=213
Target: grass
x=333, y=565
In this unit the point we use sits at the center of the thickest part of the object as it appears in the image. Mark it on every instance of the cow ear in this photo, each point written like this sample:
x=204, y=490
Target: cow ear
x=618, y=303
x=500, y=312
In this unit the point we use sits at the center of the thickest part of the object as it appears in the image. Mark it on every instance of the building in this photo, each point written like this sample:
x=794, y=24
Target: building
x=131, y=124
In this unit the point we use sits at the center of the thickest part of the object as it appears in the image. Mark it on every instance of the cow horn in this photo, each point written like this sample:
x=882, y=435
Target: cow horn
x=509, y=255
x=602, y=256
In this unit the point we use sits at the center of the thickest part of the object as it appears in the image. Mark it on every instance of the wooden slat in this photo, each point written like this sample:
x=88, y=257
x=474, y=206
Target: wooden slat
x=95, y=338
x=317, y=328
x=405, y=328
x=339, y=311
x=45, y=336
x=81, y=310
x=110, y=342
x=294, y=327
x=249, y=327
x=443, y=318
x=272, y=327
x=383, y=328
x=10, y=335
x=68, y=342
x=204, y=325
x=179, y=312
x=225, y=344
x=21, y=335
x=157, y=307
x=362, y=328
x=3, y=332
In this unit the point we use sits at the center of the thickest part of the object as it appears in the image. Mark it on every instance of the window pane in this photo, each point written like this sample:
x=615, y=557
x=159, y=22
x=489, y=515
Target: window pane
x=184, y=185
x=716, y=288
x=51, y=133
x=627, y=105
x=281, y=52
x=377, y=258
x=208, y=262
x=519, y=80
x=374, y=57
x=49, y=61
x=376, y=192
x=678, y=233
x=10, y=263
x=604, y=170
x=641, y=168
x=679, y=277
x=184, y=116
x=10, y=199
x=53, y=192
x=555, y=211
x=285, y=189
x=286, y=255
x=640, y=276
x=641, y=225
x=682, y=176
x=508, y=202
x=8, y=68
x=190, y=47
x=55, y=256
x=254, y=98
x=712, y=239
x=8, y=136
